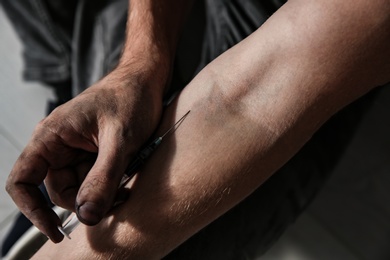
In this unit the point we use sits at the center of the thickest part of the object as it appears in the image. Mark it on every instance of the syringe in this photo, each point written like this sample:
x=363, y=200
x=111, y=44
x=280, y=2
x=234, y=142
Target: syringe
x=129, y=173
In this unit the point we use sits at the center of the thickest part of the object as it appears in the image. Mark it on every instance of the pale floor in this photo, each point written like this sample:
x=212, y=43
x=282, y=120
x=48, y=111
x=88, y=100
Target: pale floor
x=349, y=220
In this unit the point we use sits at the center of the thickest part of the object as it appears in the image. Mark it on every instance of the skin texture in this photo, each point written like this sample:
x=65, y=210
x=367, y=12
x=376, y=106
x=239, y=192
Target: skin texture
x=81, y=149
x=251, y=110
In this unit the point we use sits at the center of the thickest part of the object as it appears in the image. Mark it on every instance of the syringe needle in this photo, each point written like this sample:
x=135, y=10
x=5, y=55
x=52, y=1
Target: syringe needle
x=130, y=172
x=174, y=126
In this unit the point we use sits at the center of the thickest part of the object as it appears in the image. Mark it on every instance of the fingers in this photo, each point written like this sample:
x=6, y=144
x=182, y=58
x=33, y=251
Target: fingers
x=45, y=151
x=56, y=152
x=97, y=193
x=63, y=184
x=22, y=185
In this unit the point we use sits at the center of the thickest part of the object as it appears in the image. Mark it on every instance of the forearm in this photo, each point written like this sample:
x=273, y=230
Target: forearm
x=153, y=30
x=251, y=110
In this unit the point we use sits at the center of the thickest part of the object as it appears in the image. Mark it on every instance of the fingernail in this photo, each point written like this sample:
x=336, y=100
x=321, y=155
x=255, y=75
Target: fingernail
x=56, y=237
x=89, y=213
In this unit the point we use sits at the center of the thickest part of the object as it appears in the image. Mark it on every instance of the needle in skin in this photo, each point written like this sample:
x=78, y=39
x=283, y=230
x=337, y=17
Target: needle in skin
x=129, y=173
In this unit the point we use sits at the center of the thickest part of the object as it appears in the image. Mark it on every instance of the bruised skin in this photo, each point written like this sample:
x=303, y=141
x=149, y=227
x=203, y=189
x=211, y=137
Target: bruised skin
x=251, y=110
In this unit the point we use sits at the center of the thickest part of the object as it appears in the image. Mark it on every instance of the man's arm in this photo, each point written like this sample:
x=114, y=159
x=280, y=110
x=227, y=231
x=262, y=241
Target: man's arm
x=153, y=31
x=82, y=148
x=251, y=110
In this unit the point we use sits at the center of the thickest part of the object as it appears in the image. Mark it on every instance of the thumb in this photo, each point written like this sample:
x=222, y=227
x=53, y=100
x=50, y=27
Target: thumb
x=99, y=188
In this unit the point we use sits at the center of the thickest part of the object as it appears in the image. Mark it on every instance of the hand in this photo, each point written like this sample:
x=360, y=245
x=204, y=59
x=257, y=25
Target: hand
x=82, y=148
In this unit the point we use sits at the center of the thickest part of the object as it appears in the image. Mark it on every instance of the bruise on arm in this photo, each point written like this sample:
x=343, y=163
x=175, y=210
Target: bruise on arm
x=251, y=110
